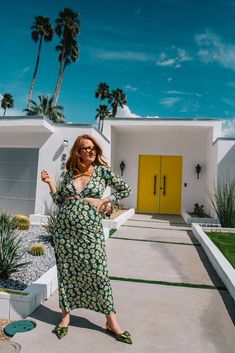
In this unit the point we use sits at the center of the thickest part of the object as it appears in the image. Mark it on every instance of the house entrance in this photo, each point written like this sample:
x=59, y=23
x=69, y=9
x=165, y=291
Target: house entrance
x=159, y=184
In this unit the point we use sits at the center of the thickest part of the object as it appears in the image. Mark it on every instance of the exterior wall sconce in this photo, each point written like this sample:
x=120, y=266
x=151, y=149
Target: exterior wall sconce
x=122, y=167
x=198, y=169
x=65, y=143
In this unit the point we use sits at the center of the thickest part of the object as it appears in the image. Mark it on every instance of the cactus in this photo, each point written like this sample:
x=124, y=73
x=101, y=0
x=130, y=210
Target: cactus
x=23, y=221
x=37, y=250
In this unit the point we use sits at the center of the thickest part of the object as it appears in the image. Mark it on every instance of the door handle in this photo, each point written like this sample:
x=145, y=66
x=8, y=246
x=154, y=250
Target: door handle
x=154, y=184
x=164, y=185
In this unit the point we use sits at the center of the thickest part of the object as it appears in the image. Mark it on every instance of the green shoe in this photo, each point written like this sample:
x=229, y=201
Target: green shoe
x=123, y=337
x=60, y=331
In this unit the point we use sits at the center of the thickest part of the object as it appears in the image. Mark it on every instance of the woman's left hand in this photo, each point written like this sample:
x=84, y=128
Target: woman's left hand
x=100, y=204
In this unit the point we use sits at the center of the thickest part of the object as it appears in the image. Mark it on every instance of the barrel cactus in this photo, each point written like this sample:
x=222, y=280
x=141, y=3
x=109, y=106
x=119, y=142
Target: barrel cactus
x=37, y=250
x=23, y=221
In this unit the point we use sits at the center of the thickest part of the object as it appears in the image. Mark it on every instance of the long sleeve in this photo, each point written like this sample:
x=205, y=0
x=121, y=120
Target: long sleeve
x=116, y=182
x=57, y=196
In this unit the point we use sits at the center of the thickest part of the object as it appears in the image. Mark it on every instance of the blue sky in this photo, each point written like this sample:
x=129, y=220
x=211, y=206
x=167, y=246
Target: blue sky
x=173, y=58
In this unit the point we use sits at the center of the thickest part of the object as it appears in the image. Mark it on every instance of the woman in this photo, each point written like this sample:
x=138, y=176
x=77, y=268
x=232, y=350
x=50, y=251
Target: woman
x=79, y=242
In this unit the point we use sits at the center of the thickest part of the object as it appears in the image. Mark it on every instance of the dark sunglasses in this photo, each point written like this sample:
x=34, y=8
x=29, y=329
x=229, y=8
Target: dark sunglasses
x=89, y=149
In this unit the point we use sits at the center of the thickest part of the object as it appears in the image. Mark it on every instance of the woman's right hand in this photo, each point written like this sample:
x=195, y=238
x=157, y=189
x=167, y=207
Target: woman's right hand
x=46, y=177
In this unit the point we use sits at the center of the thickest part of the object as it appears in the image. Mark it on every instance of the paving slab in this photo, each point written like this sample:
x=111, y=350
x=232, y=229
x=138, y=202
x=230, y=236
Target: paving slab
x=156, y=217
x=155, y=225
x=156, y=234
x=160, y=262
x=160, y=319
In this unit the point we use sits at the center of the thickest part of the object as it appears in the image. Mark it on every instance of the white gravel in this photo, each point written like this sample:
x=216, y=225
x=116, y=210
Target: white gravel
x=40, y=264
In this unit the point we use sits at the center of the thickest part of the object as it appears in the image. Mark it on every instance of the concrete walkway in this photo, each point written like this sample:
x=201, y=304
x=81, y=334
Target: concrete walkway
x=146, y=255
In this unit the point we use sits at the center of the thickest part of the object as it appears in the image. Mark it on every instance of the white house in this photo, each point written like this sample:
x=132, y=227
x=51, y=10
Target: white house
x=160, y=156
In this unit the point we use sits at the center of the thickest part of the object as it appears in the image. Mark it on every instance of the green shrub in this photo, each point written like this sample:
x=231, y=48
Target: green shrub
x=37, y=250
x=11, y=252
x=223, y=202
x=50, y=226
x=198, y=210
x=22, y=221
x=7, y=222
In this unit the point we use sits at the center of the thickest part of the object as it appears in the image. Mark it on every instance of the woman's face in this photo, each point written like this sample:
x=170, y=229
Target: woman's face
x=87, y=151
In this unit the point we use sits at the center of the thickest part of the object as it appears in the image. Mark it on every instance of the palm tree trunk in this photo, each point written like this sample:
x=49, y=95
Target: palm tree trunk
x=58, y=82
x=114, y=110
x=59, y=86
x=60, y=71
x=4, y=113
x=102, y=122
x=35, y=71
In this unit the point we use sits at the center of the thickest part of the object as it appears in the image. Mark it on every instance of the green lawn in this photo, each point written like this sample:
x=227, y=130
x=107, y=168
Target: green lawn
x=225, y=242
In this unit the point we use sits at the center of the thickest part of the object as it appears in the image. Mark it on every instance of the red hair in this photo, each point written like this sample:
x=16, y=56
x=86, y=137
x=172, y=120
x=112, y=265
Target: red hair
x=74, y=160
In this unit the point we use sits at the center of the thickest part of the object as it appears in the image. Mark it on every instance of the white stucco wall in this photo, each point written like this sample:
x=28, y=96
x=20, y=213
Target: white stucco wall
x=189, y=144
x=197, y=141
x=226, y=158
x=50, y=159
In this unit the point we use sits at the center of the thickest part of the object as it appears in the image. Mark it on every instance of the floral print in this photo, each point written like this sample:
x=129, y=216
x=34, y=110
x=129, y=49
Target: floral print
x=79, y=242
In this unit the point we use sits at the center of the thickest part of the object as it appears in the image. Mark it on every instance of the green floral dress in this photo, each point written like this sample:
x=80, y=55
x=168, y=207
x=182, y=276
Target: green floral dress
x=79, y=242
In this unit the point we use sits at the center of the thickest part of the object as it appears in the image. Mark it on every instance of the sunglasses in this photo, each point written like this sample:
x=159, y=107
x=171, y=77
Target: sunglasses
x=89, y=149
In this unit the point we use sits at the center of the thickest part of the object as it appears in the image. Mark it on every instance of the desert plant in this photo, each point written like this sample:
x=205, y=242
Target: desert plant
x=23, y=222
x=222, y=199
x=37, y=250
x=198, y=210
x=50, y=226
x=11, y=252
x=7, y=222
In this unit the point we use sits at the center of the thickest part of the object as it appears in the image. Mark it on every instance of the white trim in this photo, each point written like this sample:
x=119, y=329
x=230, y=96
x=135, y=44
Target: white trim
x=221, y=265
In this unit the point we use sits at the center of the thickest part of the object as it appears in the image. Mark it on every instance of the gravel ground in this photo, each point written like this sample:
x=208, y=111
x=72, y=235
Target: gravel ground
x=39, y=264
x=3, y=323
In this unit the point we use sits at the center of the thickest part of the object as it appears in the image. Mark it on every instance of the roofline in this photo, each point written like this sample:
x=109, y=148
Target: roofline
x=161, y=119
x=119, y=118
x=224, y=138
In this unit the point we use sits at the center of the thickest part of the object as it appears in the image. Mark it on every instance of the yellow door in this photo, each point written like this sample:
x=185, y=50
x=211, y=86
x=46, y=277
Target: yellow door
x=159, y=184
x=148, y=186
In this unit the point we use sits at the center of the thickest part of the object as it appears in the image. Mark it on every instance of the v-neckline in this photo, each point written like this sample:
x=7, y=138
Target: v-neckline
x=86, y=183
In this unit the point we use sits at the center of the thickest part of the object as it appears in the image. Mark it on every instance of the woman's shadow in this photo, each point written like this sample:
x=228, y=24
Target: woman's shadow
x=48, y=315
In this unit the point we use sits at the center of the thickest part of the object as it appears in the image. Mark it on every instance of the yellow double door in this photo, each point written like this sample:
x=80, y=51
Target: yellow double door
x=159, y=184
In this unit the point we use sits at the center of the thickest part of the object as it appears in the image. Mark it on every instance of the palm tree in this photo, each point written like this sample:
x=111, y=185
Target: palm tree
x=67, y=27
x=41, y=29
x=103, y=113
x=7, y=102
x=71, y=55
x=47, y=109
x=117, y=97
x=102, y=92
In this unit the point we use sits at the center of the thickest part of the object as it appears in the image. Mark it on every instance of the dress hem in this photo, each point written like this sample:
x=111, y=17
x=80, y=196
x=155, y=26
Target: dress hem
x=83, y=307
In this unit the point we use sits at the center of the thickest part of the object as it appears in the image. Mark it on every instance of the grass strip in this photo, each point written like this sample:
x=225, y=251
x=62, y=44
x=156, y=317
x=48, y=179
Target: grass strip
x=175, y=284
x=111, y=231
x=158, y=241
x=225, y=242
x=12, y=291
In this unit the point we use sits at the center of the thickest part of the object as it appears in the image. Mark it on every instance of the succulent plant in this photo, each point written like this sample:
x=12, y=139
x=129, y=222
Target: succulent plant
x=7, y=222
x=50, y=226
x=12, y=251
x=22, y=221
x=37, y=250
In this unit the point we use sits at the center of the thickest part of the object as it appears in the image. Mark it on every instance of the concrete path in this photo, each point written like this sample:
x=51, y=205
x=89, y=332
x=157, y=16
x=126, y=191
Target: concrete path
x=150, y=270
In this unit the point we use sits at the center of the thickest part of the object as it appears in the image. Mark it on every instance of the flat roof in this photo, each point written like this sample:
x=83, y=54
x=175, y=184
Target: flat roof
x=124, y=118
